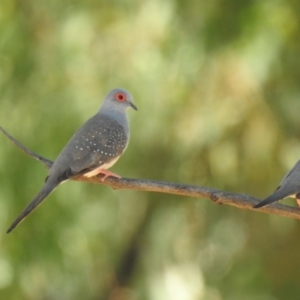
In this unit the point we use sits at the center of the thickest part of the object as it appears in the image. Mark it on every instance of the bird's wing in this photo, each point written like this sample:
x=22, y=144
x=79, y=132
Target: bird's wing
x=97, y=142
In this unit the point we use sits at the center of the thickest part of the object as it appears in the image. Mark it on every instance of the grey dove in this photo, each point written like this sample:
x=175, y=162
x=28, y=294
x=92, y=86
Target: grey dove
x=92, y=150
x=289, y=187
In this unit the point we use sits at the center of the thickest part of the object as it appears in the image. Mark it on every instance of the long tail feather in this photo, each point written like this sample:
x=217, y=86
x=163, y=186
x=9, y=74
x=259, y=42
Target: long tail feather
x=278, y=195
x=45, y=191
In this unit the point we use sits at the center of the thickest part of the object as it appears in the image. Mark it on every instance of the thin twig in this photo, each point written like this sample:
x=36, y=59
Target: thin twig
x=220, y=197
x=48, y=163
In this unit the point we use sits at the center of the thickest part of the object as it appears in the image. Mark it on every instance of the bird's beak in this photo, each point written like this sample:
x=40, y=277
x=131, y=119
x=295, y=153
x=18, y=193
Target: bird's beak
x=133, y=106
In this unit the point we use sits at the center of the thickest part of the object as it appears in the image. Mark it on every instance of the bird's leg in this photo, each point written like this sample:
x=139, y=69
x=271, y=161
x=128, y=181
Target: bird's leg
x=108, y=174
x=102, y=171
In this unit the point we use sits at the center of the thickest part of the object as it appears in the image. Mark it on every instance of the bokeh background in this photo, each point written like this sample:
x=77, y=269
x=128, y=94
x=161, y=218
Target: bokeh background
x=217, y=87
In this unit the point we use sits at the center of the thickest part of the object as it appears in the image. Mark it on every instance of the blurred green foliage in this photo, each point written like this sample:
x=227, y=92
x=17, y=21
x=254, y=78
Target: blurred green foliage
x=217, y=87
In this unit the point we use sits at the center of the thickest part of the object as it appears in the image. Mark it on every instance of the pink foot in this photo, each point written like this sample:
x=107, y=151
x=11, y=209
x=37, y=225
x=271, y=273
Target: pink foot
x=108, y=174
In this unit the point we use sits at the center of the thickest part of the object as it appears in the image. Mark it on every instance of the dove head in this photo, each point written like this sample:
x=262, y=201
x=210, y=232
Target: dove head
x=117, y=100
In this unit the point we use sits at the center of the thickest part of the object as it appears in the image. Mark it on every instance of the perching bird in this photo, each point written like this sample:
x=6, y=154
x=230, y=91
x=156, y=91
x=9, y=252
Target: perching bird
x=289, y=187
x=93, y=149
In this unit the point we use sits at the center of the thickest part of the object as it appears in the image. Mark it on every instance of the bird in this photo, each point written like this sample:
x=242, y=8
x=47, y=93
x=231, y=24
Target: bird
x=92, y=150
x=289, y=187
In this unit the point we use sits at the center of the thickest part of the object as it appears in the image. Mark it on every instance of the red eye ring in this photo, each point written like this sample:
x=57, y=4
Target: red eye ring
x=121, y=97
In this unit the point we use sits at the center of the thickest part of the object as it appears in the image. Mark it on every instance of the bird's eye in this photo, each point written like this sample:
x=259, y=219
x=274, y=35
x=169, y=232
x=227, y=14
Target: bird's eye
x=120, y=97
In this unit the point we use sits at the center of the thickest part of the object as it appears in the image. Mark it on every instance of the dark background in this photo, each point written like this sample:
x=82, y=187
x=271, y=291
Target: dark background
x=217, y=87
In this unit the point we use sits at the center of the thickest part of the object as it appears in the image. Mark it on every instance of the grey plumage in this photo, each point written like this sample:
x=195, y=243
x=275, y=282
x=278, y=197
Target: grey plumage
x=94, y=148
x=289, y=187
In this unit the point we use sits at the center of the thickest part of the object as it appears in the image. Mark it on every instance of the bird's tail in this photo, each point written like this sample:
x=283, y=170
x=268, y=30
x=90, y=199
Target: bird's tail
x=44, y=192
x=278, y=195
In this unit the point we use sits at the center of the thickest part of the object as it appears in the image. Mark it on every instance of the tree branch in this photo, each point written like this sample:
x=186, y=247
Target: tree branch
x=242, y=201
